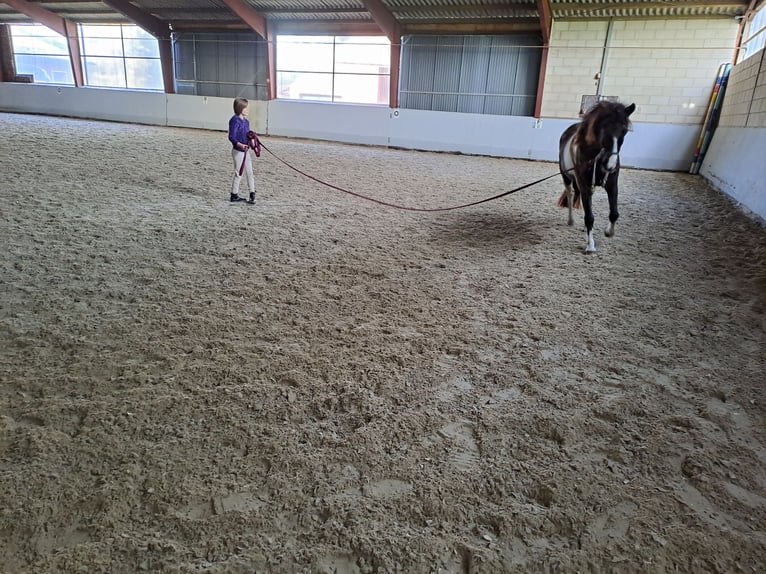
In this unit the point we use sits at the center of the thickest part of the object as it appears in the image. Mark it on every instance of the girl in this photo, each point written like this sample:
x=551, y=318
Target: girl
x=239, y=126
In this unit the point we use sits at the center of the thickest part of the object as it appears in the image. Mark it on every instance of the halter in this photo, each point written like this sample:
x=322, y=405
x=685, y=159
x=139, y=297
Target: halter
x=601, y=153
x=253, y=143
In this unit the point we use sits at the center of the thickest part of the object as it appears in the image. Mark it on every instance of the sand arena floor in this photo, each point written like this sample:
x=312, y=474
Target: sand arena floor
x=321, y=384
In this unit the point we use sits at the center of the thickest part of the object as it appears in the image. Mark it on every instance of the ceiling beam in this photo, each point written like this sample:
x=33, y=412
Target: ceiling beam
x=62, y=26
x=638, y=6
x=39, y=14
x=384, y=19
x=337, y=28
x=509, y=27
x=156, y=27
x=248, y=15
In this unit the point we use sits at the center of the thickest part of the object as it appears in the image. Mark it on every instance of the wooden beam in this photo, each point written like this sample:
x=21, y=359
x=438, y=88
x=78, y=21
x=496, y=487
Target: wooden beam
x=337, y=28
x=73, y=40
x=390, y=27
x=39, y=14
x=7, y=63
x=501, y=9
x=156, y=27
x=385, y=20
x=546, y=24
x=160, y=29
x=393, y=83
x=541, y=82
x=165, y=46
x=62, y=26
x=546, y=19
x=248, y=15
x=271, y=52
x=638, y=6
x=472, y=28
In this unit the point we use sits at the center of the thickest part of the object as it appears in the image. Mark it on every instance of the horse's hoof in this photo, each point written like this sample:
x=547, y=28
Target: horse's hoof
x=590, y=249
x=570, y=223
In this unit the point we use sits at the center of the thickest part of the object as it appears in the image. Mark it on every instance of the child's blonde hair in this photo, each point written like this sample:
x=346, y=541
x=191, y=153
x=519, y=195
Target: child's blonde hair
x=239, y=105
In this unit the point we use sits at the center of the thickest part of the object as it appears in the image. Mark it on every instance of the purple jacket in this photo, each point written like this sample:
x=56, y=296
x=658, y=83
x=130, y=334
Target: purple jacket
x=238, y=128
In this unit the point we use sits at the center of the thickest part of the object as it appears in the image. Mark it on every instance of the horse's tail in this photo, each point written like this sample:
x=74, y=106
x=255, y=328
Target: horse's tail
x=564, y=200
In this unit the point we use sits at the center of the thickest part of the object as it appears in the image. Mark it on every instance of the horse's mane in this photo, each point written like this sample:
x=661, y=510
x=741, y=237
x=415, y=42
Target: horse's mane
x=604, y=110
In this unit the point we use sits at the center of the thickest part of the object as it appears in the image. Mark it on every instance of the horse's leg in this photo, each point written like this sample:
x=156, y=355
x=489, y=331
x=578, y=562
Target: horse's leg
x=587, y=195
x=611, y=192
x=570, y=199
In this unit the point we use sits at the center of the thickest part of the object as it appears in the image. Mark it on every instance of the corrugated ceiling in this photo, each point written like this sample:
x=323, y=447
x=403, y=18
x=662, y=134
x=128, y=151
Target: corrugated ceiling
x=214, y=14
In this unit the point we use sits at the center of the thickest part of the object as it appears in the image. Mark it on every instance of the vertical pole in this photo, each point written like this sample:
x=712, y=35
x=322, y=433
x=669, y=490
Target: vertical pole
x=393, y=83
x=604, y=59
x=7, y=63
x=271, y=71
x=166, y=61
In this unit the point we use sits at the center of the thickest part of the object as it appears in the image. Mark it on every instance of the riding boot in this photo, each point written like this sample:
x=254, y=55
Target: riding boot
x=251, y=201
x=235, y=197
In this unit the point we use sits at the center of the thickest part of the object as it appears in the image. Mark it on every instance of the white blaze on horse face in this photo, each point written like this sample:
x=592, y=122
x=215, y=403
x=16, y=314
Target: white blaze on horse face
x=612, y=162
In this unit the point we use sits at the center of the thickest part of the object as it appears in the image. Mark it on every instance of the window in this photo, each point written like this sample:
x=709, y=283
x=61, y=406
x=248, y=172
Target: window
x=41, y=52
x=120, y=56
x=351, y=69
x=113, y=56
x=756, y=38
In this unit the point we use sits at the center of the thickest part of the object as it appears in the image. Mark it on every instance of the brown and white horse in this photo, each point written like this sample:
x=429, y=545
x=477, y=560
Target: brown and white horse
x=589, y=156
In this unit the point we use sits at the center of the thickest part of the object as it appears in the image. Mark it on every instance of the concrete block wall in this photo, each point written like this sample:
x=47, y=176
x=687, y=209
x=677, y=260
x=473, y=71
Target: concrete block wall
x=734, y=162
x=574, y=58
x=667, y=67
x=757, y=117
x=745, y=97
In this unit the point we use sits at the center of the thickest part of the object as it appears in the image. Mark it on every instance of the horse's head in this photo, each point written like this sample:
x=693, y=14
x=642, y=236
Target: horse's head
x=605, y=127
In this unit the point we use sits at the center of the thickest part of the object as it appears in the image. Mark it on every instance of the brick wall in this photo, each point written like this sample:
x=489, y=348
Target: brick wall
x=667, y=67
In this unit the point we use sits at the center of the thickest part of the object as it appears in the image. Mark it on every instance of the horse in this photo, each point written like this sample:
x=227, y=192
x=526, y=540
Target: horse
x=589, y=156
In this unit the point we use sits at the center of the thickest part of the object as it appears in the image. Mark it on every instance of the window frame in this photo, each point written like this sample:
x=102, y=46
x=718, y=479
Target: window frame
x=374, y=97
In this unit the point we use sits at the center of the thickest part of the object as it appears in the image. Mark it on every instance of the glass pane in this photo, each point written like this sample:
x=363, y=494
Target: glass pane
x=31, y=30
x=142, y=48
x=361, y=89
x=105, y=72
x=100, y=31
x=302, y=86
x=136, y=32
x=102, y=46
x=38, y=40
x=362, y=55
x=46, y=69
x=144, y=74
x=304, y=53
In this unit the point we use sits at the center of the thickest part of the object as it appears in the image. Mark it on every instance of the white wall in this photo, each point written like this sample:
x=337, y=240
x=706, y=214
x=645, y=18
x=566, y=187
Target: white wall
x=650, y=146
x=92, y=103
x=735, y=162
